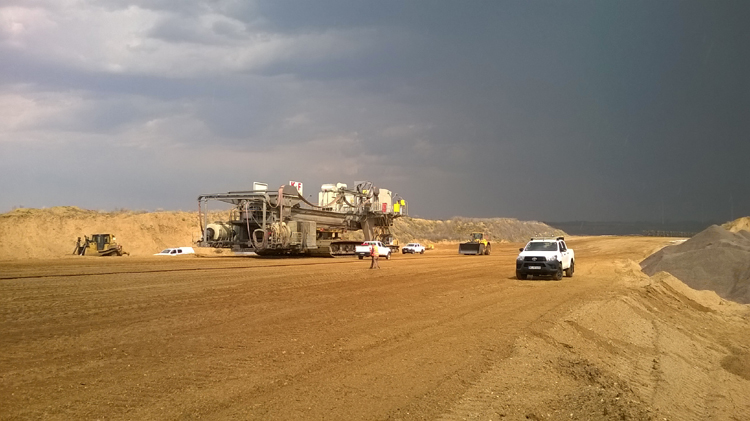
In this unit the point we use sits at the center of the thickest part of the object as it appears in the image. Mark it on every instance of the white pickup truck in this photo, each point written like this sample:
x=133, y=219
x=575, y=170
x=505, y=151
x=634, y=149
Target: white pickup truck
x=363, y=250
x=545, y=257
x=413, y=248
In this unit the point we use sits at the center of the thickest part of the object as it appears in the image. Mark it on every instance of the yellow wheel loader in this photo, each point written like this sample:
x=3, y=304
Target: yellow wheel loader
x=99, y=245
x=478, y=244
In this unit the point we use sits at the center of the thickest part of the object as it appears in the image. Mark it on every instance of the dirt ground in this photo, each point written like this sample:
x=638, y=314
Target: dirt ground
x=433, y=336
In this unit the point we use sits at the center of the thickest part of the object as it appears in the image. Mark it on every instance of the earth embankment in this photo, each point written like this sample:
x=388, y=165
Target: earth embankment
x=739, y=224
x=52, y=232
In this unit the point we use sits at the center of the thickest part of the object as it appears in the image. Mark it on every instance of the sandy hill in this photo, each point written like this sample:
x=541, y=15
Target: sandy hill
x=52, y=232
x=740, y=224
x=716, y=259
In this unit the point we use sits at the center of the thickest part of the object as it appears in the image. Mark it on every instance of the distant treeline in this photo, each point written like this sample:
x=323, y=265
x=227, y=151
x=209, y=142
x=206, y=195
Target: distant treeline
x=667, y=229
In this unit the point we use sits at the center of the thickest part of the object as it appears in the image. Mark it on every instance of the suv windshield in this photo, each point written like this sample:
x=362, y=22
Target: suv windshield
x=542, y=246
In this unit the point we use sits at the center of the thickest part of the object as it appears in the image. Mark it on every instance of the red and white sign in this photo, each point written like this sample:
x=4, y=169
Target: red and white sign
x=297, y=185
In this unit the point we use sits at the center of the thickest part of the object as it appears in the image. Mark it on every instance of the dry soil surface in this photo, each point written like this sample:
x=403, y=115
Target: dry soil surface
x=433, y=336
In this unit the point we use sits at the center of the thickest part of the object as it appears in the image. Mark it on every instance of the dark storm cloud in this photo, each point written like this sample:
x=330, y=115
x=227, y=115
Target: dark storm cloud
x=532, y=109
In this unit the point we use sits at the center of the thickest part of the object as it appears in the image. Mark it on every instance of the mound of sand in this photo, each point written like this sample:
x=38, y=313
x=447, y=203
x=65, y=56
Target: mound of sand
x=52, y=232
x=715, y=259
x=738, y=225
x=657, y=350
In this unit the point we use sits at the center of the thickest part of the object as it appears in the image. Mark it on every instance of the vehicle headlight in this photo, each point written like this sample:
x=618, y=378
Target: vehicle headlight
x=519, y=257
x=552, y=258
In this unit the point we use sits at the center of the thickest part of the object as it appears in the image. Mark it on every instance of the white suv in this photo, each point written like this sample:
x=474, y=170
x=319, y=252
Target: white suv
x=545, y=257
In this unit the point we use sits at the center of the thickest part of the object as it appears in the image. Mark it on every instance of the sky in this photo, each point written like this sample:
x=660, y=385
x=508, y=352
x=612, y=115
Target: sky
x=537, y=110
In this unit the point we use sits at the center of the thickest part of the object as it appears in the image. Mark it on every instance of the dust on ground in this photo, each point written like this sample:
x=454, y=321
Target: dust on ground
x=433, y=336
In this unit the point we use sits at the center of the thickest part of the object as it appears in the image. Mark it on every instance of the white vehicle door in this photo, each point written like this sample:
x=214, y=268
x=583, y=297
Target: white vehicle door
x=565, y=255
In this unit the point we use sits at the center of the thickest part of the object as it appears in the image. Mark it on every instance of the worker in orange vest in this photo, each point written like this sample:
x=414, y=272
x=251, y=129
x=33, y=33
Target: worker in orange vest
x=375, y=253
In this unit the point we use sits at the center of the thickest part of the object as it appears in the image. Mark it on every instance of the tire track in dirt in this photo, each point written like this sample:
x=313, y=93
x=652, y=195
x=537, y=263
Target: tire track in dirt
x=425, y=337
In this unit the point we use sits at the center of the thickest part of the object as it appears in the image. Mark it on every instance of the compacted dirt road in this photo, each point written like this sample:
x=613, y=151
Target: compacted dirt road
x=433, y=336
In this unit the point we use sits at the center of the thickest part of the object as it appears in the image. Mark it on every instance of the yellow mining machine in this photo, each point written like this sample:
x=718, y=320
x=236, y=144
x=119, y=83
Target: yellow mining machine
x=285, y=223
x=479, y=243
x=99, y=245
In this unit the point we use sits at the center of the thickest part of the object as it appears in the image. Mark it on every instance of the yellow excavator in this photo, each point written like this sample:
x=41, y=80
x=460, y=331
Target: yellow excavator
x=99, y=245
x=478, y=244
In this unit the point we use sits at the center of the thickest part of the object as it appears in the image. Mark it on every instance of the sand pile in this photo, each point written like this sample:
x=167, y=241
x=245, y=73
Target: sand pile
x=738, y=225
x=715, y=259
x=52, y=232
x=656, y=350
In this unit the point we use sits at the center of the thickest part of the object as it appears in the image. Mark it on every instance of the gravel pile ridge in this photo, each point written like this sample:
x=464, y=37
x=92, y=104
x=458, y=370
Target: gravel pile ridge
x=738, y=225
x=715, y=259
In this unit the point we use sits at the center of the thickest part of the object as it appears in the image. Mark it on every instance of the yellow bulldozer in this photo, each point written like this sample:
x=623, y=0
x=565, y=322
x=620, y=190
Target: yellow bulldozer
x=99, y=245
x=478, y=243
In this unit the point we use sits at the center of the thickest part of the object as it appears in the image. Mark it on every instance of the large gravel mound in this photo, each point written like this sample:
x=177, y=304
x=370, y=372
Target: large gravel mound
x=715, y=259
x=458, y=229
x=741, y=225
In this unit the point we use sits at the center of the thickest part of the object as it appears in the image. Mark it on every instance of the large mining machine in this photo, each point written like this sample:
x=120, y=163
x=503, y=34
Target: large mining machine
x=283, y=222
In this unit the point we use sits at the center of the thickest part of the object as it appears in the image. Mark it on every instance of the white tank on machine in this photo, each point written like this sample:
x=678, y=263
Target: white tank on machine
x=326, y=195
x=329, y=192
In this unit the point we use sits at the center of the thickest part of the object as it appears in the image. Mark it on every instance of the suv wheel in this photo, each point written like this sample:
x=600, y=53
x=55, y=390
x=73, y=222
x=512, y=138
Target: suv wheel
x=559, y=274
x=569, y=271
x=520, y=276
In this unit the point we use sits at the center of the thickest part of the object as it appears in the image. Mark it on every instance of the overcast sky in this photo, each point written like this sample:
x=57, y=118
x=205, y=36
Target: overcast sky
x=538, y=110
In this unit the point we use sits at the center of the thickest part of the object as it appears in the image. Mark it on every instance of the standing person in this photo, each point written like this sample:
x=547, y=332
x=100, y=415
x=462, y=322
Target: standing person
x=374, y=253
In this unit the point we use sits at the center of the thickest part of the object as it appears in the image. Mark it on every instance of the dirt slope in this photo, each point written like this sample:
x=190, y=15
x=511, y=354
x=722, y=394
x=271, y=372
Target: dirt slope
x=740, y=224
x=433, y=336
x=52, y=232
